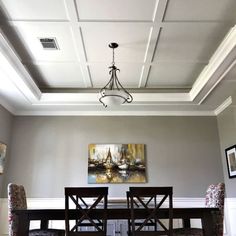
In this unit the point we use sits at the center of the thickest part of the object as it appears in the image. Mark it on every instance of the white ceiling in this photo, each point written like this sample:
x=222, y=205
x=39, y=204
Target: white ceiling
x=176, y=57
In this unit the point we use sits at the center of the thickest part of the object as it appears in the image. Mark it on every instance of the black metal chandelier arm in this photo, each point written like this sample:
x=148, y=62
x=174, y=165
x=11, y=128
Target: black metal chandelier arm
x=107, y=86
x=110, y=84
x=129, y=99
x=113, y=69
x=100, y=100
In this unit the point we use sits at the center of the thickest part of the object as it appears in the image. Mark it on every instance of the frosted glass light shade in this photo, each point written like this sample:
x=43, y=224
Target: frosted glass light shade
x=114, y=97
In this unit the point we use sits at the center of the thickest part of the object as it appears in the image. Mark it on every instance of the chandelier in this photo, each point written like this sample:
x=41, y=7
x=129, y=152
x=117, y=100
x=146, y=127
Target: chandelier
x=113, y=93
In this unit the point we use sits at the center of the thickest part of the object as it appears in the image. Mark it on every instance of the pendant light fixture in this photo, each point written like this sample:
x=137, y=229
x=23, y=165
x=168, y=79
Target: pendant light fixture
x=113, y=93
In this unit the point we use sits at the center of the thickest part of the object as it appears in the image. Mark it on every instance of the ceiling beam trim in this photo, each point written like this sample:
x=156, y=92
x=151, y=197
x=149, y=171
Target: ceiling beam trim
x=223, y=106
x=222, y=58
x=78, y=41
x=92, y=98
x=11, y=65
x=115, y=113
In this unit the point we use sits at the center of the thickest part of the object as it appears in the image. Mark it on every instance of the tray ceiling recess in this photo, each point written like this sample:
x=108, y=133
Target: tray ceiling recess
x=176, y=57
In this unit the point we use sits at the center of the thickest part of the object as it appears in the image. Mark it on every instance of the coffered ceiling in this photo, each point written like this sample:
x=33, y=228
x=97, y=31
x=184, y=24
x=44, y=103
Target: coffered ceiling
x=176, y=57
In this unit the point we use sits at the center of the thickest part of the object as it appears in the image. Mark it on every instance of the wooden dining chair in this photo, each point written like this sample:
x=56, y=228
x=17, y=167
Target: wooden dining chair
x=84, y=200
x=214, y=198
x=151, y=199
x=17, y=201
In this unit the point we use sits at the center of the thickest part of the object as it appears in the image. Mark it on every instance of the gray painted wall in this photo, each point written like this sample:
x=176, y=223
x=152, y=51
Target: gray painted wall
x=49, y=153
x=5, y=135
x=227, y=132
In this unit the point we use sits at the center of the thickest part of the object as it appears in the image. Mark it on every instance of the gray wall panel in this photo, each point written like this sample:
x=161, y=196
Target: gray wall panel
x=227, y=132
x=49, y=153
x=5, y=136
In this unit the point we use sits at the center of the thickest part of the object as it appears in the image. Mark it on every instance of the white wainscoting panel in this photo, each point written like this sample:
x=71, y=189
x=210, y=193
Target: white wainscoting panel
x=3, y=217
x=230, y=217
x=50, y=203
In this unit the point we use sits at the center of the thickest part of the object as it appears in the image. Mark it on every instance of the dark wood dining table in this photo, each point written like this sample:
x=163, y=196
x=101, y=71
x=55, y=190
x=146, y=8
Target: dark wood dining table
x=44, y=215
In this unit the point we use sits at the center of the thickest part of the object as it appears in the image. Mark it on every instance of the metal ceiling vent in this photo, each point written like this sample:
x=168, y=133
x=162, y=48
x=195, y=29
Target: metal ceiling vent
x=49, y=43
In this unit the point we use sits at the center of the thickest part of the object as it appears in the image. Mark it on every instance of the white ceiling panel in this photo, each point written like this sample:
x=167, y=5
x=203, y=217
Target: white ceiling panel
x=132, y=40
x=30, y=33
x=189, y=41
x=58, y=75
x=34, y=9
x=128, y=76
x=173, y=75
x=202, y=10
x=123, y=10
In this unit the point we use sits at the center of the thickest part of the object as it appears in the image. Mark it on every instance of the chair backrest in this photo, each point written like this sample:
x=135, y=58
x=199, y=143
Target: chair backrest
x=84, y=200
x=151, y=199
x=16, y=201
x=215, y=196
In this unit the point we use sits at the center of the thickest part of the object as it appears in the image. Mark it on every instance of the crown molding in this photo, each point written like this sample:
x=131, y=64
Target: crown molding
x=220, y=59
x=7, y=106
x=223, y=106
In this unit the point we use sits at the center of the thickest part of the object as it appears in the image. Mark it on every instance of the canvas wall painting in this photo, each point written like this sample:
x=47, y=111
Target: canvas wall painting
x=3, y=149
x=116, y=163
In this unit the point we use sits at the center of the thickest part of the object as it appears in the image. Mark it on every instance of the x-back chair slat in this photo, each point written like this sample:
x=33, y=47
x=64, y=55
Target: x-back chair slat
x=78, y=197
x=146, y=197
x=86, y=214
